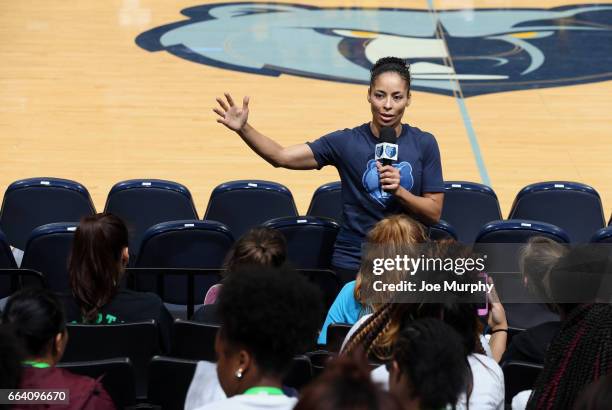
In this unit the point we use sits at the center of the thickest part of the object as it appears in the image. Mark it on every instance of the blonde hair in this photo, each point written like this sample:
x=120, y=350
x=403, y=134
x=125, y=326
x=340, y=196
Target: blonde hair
x=536, y=260
x=394, y=235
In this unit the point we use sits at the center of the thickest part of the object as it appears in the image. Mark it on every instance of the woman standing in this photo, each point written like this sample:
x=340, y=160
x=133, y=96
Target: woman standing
x=412, y=185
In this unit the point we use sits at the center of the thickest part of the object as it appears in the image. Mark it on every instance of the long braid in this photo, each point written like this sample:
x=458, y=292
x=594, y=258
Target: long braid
x=368, y=329
x=580, y=354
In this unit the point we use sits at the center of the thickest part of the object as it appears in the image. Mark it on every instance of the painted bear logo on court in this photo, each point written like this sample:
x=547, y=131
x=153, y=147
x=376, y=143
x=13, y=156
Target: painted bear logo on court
x=473, y=52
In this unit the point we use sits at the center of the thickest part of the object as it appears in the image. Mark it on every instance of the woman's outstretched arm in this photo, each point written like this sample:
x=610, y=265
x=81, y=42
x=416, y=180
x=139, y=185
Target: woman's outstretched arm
x=235, y=118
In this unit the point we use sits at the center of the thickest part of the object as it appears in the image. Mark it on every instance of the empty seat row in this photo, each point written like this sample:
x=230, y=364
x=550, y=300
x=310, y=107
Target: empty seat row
x=240, y=205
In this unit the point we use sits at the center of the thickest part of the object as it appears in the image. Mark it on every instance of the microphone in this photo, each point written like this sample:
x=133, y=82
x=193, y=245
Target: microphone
x=386, y=150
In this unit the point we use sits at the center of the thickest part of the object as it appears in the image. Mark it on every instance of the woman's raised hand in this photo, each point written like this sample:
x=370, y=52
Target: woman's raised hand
x=230, y=115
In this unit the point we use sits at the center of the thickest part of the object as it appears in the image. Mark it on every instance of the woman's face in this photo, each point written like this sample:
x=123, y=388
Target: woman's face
x=388, y=99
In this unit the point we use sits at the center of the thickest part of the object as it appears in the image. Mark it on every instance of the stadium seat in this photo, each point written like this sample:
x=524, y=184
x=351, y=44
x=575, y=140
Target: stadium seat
x=441, y=230
x=6, y=262
x=33, y=202
x=193, y=340
x=116, y=375
x=604, y=235
x=327, y=281
x=327, y=202
x=138, y=341
x=310, y=240
x=242, y=205
x=142, y=203
x=48, y=250
x=519, y=376
x=169, y=380
x=336, y=333
x=572, y=206
x=468, y=206
x=299, y=374
x=11, y=280
x=183, y=244
x=501, y=242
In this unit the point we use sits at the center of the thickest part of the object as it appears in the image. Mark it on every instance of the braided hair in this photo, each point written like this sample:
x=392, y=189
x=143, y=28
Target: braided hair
x=392, y=64
x=580, y=354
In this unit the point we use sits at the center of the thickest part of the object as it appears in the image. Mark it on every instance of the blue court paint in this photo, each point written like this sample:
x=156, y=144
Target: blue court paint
x=465, y=116
x=467, y=123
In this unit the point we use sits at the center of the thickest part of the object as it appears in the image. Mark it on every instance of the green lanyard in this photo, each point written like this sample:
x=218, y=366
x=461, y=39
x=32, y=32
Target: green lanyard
x=270, y=391
x=38, y=365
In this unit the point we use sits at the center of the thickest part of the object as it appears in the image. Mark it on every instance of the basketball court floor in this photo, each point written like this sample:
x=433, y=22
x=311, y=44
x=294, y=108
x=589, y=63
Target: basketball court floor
x=515, y=92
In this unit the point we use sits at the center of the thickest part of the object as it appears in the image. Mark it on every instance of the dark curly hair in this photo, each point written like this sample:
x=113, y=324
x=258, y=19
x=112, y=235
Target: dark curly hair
x=273, y=314
x=393, y=64
x=346, y=384
x=431, y=354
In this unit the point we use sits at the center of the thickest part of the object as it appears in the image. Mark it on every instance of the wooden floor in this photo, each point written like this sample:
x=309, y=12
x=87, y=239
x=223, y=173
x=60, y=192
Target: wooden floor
x=79, y=99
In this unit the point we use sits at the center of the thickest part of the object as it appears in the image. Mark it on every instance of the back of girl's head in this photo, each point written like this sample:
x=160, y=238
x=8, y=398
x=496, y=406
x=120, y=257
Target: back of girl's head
x=346, y=385
x=259, y=246
x=273, y=314
x=430, y=353
x=96, y=264
x=390, y=64
x=36, y=316
x=536, y=259
x=392, y=236
x=397, y=230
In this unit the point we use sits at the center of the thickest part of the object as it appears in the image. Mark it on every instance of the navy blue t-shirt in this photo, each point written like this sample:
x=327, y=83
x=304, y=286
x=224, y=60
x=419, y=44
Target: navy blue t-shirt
x=351, y=151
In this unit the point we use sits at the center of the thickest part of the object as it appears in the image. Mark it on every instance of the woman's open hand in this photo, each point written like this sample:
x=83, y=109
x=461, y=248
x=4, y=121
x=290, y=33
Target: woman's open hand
x=230, y=115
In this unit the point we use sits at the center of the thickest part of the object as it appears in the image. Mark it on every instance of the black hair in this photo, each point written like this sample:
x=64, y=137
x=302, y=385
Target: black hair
x=36, y=317
x=346, y=384
x=393, y=64
x=10, y=360
x=596, y=396
x=273, y=314
x=430, y=353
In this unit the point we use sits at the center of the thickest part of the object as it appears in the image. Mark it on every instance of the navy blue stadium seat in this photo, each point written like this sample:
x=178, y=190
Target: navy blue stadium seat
x=11, y=280
x=310, y=240
x=142, y=203
x=116, y=375
x=6, y=262
x=242, y=205
x=328, y=283
x=519, y=376
x=519, y=231
x=139, y=341
x=185, y=332
x=169, y=380
x=441, y=230
x=501, y=242
x=468, y=206
x=327, y=201
x=604, y=235
x=183, y=244
x=48, y=250
x=572, y=206
x=33, y=202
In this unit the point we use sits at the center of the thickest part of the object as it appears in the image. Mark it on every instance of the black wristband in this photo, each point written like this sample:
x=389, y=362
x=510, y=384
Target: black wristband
x=499, y=330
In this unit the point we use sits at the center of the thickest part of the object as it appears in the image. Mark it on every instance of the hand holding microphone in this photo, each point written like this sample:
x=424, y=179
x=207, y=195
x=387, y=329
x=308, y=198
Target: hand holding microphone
x=385, y=154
